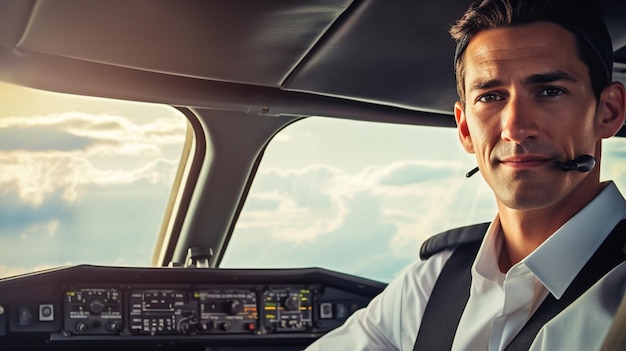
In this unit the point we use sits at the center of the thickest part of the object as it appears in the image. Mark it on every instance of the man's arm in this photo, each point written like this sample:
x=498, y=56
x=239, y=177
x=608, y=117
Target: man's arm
x=392, y=319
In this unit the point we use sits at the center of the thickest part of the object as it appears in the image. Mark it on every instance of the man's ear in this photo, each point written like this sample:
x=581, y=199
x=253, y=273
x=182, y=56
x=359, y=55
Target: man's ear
x=611, y=110
x=462, y=128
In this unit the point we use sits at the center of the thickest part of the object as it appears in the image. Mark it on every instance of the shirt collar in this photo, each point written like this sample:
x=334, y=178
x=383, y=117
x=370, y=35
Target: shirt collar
x=485, y=267
x=579, y=238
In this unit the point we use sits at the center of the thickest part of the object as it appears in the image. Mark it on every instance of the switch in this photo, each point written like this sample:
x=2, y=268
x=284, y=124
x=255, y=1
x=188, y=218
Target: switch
x=326, y=310
x=46, y=313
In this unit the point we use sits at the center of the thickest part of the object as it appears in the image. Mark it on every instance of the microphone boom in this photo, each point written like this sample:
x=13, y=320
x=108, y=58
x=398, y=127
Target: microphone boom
x=584, y=163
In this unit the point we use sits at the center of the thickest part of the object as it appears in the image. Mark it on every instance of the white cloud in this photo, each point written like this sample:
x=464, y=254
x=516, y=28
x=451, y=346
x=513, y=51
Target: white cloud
x=43, y=230
x=35, y=175
x=107, y=130
x=294, y=211
x=303, y=205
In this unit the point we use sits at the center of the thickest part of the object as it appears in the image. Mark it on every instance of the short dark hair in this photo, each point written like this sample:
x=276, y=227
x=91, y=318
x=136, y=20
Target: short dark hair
x=580, y=17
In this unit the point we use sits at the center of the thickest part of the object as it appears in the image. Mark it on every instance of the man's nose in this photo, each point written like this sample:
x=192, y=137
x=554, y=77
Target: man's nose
x=519, y=120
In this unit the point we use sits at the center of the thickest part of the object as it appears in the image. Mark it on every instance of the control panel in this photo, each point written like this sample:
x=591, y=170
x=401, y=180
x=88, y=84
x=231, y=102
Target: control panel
x=288, y=309
x=166, y=306
x=227, y=310
x=210, y=310
x=93, y=311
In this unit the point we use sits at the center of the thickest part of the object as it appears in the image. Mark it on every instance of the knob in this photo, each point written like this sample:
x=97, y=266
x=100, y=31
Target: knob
x=225, y=326
x=96, y=306
x=81, y=327
x=292, y=303
x=234, y=307
x=112, y=326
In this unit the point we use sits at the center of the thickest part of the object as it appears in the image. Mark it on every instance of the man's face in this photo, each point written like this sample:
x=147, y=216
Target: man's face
x=528, y=103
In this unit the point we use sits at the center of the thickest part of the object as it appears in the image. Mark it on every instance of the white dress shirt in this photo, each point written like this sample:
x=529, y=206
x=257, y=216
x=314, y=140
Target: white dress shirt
x=499, y=304
x=585, y=323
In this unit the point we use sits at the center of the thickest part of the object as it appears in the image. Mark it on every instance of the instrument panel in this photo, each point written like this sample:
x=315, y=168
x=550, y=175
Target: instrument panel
x=106, y=307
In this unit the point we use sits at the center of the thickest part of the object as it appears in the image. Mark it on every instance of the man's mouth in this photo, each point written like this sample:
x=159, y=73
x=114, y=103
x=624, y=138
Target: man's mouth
x=527, y=161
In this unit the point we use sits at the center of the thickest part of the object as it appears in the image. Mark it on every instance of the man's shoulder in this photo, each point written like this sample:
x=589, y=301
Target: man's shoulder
x=452, y=239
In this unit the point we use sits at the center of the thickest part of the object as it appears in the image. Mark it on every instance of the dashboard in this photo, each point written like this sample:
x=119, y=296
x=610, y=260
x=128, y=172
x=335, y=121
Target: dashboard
x=98, y=307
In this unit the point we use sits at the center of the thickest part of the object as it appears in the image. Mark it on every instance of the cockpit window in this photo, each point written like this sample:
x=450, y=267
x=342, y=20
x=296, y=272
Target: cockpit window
x=361, y=197
x=357, y=197
x=82, y=180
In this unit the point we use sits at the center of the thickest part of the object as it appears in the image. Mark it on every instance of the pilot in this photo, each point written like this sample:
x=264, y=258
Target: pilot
x=536, y=98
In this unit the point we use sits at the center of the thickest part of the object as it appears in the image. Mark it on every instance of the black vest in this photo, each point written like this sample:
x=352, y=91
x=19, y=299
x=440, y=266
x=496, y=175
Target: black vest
x=451, y=291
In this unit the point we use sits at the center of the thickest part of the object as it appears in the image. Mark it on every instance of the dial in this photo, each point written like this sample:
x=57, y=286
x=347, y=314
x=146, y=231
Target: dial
x=96, y=305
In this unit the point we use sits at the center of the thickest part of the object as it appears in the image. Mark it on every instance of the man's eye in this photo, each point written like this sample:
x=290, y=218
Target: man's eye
x=488, y=98
x=552, y=91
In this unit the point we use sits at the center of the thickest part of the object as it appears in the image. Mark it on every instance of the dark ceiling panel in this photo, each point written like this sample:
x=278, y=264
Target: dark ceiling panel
x=14, y=15
x=395, y=51
x=253, y=42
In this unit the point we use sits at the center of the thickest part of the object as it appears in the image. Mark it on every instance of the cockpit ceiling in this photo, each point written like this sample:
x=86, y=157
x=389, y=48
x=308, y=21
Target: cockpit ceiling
x=241, y=41
x=388, y=52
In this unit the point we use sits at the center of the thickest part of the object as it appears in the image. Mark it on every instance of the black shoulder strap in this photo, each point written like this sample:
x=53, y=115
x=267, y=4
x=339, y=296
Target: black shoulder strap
x=450, y=294
x=452, y=239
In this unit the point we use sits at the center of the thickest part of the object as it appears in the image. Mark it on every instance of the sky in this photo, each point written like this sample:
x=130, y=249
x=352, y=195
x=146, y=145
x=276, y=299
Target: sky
x=68, y=167
x=355, y=197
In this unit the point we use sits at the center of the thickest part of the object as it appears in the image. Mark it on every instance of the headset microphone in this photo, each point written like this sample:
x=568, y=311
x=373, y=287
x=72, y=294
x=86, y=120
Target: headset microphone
x=584, y=163
x=471, y=173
